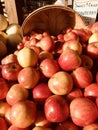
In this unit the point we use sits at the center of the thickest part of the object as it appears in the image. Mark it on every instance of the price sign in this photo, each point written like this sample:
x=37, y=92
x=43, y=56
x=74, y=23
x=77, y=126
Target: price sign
x=86, y=8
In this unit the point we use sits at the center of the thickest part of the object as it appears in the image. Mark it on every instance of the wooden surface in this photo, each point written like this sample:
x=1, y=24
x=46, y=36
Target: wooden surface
x=10, y=8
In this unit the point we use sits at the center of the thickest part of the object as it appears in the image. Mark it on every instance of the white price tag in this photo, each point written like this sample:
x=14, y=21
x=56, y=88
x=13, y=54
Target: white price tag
x=87, y=9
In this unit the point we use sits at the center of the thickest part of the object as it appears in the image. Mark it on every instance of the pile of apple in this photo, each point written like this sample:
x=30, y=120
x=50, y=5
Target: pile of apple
x=51, y=82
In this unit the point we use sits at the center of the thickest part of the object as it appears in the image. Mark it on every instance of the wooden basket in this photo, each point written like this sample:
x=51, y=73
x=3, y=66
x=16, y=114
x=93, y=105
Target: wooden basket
x=53, y=18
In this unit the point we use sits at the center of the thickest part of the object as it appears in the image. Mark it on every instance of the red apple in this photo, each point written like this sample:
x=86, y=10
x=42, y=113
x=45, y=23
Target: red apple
x=82, y=77
x=56, y=108
x=9, y=59
x=92, y=126
x=49, y=67
x=83, y=34
x=36, y=49
x=13, y=127
x=25, y=39
x=70, y=35
x=92, y=49
x=46, y=43
x=20, y=46
x=23, y=113
x=96, y=101
x=67, y=125
x=16, y=93
x=91, y=90
x=87, y=61
x=83, y=111
x=69, y=60
x=60, y=37
x=28, y=77
x=44, y=54
x=75, y=93
x=41, y=92
x=74, y=45
x=3, y=124
x=94, y=27
x=41, y=119
x=60, y=83
x=10, y=71
x=3, y=88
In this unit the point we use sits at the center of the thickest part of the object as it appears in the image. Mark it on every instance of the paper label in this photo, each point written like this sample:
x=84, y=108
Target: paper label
x=87, y=9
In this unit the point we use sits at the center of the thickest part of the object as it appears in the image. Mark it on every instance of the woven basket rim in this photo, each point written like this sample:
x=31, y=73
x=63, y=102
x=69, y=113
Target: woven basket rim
x=45, y=8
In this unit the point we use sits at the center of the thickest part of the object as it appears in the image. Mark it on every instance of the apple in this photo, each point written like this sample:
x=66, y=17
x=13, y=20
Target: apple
x=56, y=109
x=38, y=36
x=83, y=34
x=83, y=111
x=46, y=43
x=7, y=116
x=82, y=77
x=69, y=60
x=28, y=77
x=25, y=39
x=75, y=92
x=92, y=49
x=60, y=83
x=20, y=46
x=70, y=35
x=23, y=113
x=74, y=45
x=67, y=125
x=3, y=124
x=27, y=57
x=41, y=119
x=87, y=61
x=60, y=37
x=3, y=88
x=41, y=92
x=91, y=90
x=9, y=59
x=94, y=27
x=16, y=93
x=96, y=101
x=36, y=49
x=10, y=71
x=92, y=126
x=93, y=37
x=13, y=127
x=89, y=27
x=44, y=54
x=49, y=67
x=4, y=106
x=41, y=128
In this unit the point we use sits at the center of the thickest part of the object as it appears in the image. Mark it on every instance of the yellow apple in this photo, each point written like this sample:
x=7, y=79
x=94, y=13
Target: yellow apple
x=27, y=57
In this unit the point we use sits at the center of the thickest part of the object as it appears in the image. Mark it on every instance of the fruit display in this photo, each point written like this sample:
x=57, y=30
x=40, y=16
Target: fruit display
x=49, y=82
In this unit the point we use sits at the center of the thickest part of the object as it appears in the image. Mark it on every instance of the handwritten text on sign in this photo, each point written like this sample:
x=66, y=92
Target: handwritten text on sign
x=87, y=9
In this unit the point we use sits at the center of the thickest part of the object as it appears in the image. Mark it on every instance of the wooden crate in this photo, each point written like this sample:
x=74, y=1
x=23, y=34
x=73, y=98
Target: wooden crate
x=12, y=10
